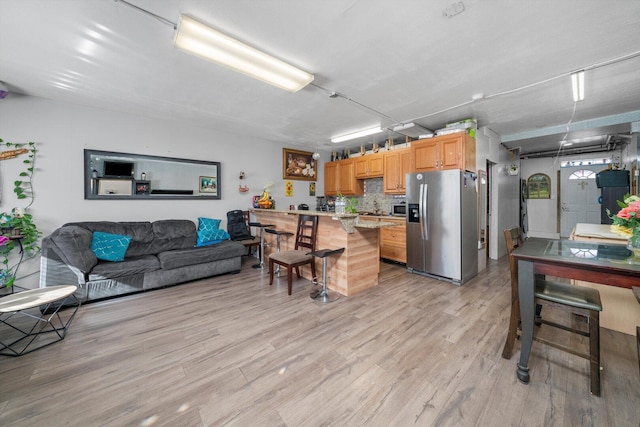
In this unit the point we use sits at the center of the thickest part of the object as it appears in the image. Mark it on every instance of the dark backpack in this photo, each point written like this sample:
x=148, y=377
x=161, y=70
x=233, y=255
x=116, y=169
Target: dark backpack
x=237, y=226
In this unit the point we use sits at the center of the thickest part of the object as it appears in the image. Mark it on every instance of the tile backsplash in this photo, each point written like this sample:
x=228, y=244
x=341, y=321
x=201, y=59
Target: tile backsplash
x=374, y=198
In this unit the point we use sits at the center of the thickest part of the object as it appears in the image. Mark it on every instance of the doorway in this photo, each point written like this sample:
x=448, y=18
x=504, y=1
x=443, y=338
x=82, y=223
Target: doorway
x=578, y=198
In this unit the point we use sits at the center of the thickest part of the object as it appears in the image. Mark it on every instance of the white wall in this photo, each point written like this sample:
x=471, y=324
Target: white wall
x=543, y=213
x=504, y=190
x=62, y=131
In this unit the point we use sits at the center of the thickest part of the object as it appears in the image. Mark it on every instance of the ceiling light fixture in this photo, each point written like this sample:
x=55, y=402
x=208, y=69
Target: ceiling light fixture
x=577, y=84
x=358, y=134
x=205, y=42
x=411, y=129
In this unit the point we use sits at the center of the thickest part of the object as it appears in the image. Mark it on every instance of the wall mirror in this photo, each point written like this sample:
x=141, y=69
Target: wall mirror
x=111, y=175
x=482, y=208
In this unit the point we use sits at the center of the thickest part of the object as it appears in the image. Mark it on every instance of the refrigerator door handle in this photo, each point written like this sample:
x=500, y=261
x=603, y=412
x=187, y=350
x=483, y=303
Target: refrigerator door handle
x=424, y=213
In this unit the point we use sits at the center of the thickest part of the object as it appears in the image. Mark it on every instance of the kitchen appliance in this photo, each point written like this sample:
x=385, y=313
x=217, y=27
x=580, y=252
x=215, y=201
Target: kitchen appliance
x=442, y=224
x=614, y=185
x=303, y=207
x=325, y=203
x=399, y=209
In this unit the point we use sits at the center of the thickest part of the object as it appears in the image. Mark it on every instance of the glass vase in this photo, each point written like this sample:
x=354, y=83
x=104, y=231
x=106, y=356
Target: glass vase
x=633, y=244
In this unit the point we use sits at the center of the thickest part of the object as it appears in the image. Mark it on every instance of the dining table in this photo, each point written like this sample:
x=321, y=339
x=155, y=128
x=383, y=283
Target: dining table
x=604, y=263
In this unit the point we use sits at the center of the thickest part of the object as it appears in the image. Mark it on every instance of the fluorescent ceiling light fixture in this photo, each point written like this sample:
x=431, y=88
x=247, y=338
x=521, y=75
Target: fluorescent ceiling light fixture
x=207, y=43
x=358, y=134
x=577, y=83
x=411, y=129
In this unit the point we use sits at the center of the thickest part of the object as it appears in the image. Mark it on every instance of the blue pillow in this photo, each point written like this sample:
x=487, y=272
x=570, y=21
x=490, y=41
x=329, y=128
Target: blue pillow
x=109, y=247
x=208, y=224
x=209, y=233
x=211, y=238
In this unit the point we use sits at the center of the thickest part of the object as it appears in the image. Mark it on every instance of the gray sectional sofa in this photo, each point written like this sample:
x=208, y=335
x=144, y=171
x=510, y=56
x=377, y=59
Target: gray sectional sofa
x=160, y=253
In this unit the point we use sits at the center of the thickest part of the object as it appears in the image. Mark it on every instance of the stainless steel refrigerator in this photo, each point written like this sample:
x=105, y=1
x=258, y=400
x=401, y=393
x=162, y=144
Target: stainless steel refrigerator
x=442, y=224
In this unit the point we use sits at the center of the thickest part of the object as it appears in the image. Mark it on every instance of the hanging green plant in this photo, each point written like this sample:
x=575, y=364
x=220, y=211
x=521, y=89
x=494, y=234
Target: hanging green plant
x=17, y=225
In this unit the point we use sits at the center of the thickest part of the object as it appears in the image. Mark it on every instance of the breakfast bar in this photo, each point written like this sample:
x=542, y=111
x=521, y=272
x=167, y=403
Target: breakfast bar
x=352, y=272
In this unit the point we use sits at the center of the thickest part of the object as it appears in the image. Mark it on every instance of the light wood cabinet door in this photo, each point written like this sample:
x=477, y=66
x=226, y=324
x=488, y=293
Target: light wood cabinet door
x=426, y=154
x=451, y=153
x=397, y=164
x=369, y=166
x=393, y=241
x=331, y=178
x=406, y=166
x=454, y=151
x=339, y=177
x=348, y=185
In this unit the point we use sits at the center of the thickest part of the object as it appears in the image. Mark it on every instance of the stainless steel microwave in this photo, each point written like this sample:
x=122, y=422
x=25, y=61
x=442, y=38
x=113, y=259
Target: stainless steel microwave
x=399, y=209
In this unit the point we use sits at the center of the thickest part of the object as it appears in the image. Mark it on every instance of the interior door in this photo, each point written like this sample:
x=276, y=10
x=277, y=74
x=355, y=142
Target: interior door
x=579, y=198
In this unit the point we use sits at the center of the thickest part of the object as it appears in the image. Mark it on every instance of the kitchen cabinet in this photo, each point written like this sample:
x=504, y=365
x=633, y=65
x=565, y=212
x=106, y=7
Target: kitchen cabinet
x=393, y=241
x=369, y=166
x=397, y=163
x=340, y=177
x=453, y=151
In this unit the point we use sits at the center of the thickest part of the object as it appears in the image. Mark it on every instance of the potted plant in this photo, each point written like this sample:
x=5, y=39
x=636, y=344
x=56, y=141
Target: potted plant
x=351, y=205
x=17, y=226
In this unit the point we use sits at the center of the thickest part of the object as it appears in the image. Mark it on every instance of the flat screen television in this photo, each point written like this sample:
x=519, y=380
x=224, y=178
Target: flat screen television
x=118, y=169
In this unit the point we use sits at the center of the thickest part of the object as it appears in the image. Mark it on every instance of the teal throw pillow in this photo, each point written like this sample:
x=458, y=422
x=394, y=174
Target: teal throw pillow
x=109, y=247
x=217, y=237
x=209, y=233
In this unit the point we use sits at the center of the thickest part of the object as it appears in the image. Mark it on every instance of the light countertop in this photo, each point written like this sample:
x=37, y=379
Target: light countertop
x=373, y=221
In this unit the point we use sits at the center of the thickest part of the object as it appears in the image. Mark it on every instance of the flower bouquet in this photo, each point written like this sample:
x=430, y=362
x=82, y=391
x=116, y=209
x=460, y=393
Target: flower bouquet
x=627, y=221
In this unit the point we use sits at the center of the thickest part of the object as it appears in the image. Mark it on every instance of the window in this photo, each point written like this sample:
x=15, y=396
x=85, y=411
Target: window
x=583, y=174
x=539, y=186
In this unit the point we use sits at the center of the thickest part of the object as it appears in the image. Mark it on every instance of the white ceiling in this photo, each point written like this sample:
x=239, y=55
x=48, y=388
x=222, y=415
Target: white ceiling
x=391, y=61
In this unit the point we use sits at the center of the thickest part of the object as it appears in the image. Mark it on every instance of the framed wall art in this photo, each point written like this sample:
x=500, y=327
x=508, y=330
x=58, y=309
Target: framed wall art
x=298, y=165
x=208, y=184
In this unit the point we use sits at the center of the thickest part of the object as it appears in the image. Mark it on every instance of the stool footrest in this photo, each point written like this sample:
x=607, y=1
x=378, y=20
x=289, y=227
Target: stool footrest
x=278, y=232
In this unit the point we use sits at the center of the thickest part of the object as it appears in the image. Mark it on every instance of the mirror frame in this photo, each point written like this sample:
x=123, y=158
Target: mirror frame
x=90, y=186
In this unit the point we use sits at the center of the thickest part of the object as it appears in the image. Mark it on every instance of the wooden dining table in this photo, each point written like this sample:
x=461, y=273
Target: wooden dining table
x=607, y=264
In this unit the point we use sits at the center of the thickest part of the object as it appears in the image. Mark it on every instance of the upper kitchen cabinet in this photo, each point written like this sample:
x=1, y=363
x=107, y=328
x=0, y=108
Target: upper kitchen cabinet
x=340, y=177
x=397, y=163
x=453, y=151
x=369, y=166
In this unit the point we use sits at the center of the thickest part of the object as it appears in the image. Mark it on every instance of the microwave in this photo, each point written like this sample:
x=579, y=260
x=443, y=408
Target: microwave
x=399, y=210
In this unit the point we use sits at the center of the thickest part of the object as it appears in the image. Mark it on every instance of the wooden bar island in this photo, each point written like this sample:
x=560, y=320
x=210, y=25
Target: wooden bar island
x=353, y=271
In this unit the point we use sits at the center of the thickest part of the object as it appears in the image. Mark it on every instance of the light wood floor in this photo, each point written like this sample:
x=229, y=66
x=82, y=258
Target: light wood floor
x=233, y=351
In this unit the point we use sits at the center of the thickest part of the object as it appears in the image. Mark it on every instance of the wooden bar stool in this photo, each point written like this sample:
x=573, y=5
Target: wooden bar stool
x=324, y=295
x=278, y=234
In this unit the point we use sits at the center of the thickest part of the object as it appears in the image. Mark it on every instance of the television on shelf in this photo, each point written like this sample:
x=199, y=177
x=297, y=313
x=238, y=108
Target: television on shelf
x=118, y=169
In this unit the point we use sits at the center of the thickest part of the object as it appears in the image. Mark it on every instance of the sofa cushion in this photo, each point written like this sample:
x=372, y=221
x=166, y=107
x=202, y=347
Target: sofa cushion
x=72, y=244
x=141, y=233
x=109, y=247
x=172, y=234
x=192, y=256
x=215, y=237
x=128, y=267
x=147, y=238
